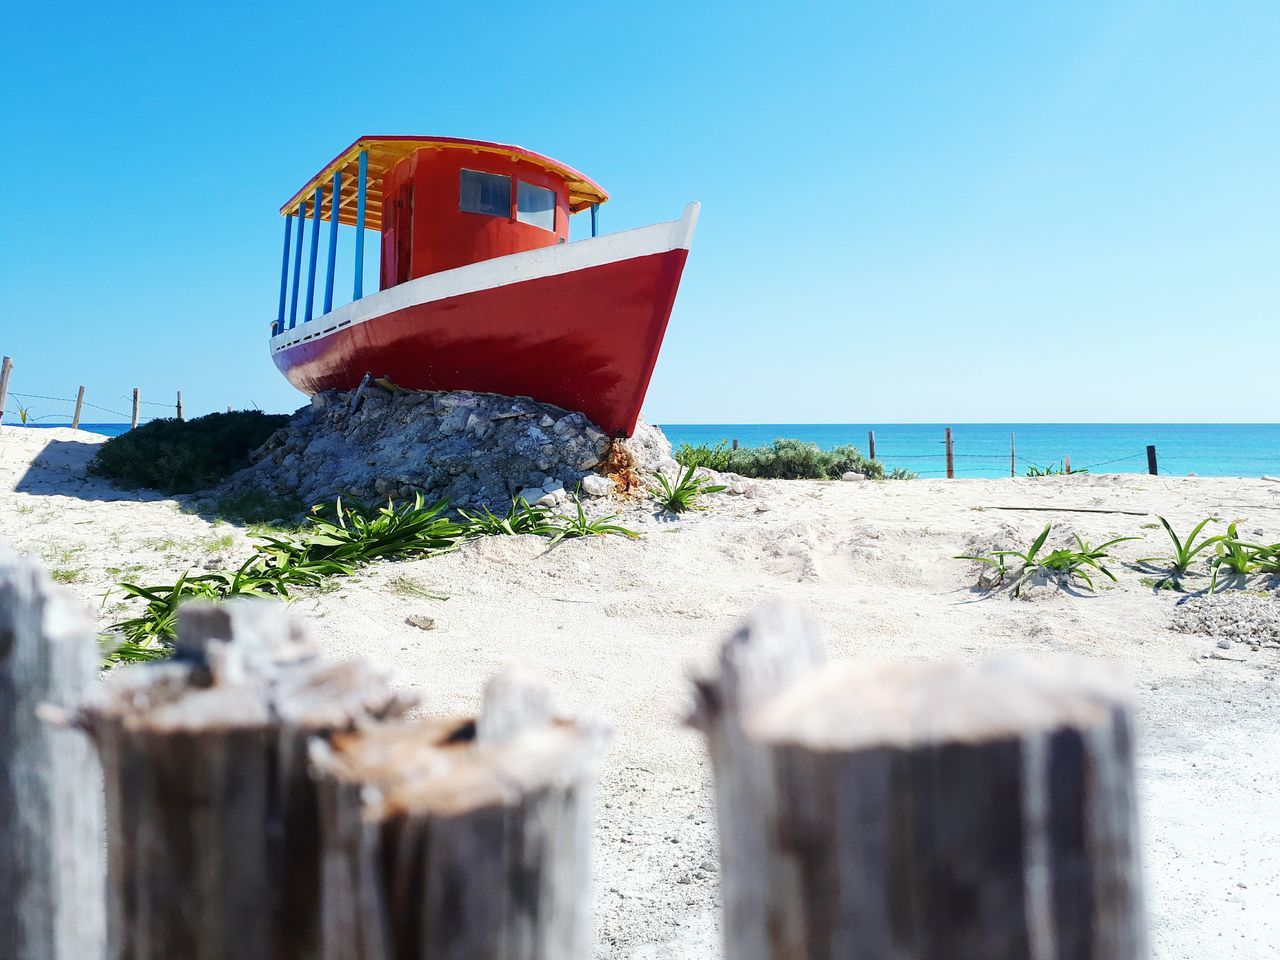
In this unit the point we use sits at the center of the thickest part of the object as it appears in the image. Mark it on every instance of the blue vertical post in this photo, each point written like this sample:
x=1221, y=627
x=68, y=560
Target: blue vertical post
x=297, y=265
x=595, y=219
x=361, y=188
x=315, y=250
x=284, y=273
x=333, y=240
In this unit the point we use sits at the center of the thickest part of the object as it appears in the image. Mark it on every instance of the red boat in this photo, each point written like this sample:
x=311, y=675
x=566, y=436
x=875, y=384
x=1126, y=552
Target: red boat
x=480, y=287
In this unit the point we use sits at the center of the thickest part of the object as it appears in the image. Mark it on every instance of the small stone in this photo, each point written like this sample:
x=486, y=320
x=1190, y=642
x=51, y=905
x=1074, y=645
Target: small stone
x=763, y=506
x=851, y=475
x=595, y=485
x=1224, y=644
x=709, y=865
x=420, y=621
x=530, y=495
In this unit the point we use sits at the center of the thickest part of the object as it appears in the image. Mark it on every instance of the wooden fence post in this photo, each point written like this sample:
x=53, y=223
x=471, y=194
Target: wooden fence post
x=75, y=420
x=1151, y=460
x=1066, y=464
x=212, y=818
x=951, y=460
x=51, y=849
x=463, y=838
x=6, y=367
x=133, y=425
x=773, y=647
x=891, y=810
x=1013, y=456
x=735, y=444
x=871, y=444
x=179, y=404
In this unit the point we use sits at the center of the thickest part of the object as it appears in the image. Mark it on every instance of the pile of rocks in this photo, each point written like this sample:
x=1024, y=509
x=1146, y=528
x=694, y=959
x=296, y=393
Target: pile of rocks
x=1252, y=618
x=468, y=448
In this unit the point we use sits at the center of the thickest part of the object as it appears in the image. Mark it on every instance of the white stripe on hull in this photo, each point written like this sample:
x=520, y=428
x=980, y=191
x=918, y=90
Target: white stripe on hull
x=499, y=272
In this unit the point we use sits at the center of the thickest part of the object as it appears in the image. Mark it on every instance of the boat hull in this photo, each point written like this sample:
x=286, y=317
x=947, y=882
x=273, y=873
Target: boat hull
x=579, y=328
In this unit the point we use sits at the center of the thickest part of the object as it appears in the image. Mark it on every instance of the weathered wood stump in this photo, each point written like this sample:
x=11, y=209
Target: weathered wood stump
x=51, y=859
x=922, y=811
x=460, y=840
x=212, y=820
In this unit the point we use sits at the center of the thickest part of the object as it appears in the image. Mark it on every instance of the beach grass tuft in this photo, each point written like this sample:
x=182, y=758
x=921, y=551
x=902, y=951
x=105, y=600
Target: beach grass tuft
x=682, y=493
x=335, y=540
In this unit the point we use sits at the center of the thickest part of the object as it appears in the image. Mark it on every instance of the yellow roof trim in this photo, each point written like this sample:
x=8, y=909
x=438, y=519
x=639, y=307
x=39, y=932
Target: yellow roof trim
x=386, y=152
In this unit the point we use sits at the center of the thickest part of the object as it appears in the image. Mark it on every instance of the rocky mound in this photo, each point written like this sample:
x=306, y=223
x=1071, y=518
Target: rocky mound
x=467, y=448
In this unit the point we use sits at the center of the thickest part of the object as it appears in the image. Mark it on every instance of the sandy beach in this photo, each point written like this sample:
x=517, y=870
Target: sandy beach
x=614, y=624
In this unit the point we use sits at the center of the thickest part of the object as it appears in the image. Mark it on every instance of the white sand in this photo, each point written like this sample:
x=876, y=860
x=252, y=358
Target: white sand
x=614, y=623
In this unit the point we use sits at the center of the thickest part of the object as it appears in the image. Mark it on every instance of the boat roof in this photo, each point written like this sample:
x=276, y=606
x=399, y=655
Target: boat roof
x=386, y=152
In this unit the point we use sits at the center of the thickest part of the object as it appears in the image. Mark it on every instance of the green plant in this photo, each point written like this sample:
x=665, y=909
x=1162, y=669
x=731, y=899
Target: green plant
x=521, y=518
x=333, y=541
x=66, y=574
x=1074, y=563
x=684, y=492
x=996, y=561
x=1063, y=561
x=1053, y=470
x=1184, y=552
x=183, y=456
x=1268, y=558
x=1238, y=556
x=340, y=538
x=580, y=525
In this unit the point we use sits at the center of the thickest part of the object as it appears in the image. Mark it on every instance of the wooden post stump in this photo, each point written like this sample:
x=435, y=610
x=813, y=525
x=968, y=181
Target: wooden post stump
x=52, y=871
x=951, y=457
x=768, y=652
x=213, y=835
x=133, y=423
x=1152, y=467
x=929, y=811
x=871, y=444
x=75, y=419
x=6, y=368
x=460, y=840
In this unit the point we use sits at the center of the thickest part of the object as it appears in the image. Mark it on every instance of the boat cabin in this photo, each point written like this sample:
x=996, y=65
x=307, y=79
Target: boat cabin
x=439, y=203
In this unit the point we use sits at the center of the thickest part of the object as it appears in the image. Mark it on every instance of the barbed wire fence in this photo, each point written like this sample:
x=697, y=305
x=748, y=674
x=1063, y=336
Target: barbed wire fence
x=75, y=405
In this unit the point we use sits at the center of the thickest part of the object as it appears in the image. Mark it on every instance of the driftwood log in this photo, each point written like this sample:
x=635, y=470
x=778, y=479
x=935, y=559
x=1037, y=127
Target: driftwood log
x=460, y=840
x=51, y=859
x=212, y=823
x=922, y=811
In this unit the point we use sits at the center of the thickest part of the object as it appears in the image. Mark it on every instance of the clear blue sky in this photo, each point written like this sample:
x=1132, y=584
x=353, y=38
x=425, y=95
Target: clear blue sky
x=911, y=211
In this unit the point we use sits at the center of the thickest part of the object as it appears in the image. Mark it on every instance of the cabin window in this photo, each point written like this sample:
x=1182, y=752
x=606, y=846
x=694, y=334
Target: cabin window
x=488, y=193
x=535, y=205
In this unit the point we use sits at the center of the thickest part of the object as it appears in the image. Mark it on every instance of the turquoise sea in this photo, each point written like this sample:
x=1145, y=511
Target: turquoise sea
x=982, y=449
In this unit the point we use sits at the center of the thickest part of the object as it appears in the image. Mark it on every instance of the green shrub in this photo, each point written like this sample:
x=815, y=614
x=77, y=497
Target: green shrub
x=176, y=456
x=786, y=459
